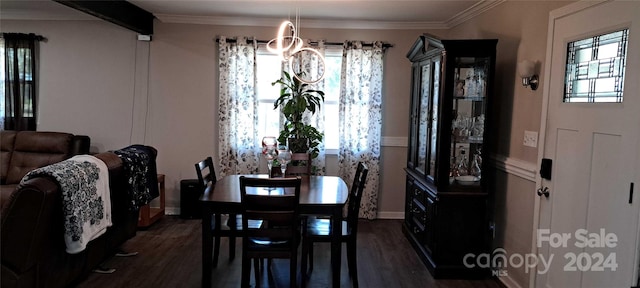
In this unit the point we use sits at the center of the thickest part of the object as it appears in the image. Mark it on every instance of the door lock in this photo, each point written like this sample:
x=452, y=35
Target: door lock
x=545, y=168
x=543, y=191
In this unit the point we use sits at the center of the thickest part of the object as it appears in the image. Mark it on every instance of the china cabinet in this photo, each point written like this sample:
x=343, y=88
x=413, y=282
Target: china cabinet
x=447, y=186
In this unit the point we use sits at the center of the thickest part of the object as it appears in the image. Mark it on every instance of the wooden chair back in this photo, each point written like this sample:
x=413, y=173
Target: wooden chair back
x=275, y=207
x=278, y=237
x=355, y=196
x=206, y=173
x=300, y=165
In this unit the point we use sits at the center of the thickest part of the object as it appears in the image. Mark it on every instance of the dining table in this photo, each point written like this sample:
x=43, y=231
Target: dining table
x=319, y=195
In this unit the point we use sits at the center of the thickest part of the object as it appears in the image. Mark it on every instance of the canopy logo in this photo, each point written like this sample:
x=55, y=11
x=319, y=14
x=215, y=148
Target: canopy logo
x=499, y=261
x=576, y=260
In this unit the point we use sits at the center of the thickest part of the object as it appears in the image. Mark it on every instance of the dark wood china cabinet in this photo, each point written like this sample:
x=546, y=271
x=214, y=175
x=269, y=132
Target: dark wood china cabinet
x=447, y=189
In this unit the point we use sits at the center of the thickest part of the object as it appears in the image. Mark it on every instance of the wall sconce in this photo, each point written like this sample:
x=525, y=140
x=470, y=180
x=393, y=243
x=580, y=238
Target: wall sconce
x=526, y=69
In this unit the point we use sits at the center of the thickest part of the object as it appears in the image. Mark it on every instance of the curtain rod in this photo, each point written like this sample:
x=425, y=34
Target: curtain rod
x=25, y=35
x=314, y=43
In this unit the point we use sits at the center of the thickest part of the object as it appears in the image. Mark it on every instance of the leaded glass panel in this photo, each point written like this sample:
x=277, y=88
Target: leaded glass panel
x=595, y=68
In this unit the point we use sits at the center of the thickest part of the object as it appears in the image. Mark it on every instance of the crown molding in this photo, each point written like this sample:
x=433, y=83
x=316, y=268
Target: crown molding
x=472, y=12
x=457, y=19
x=307, y=23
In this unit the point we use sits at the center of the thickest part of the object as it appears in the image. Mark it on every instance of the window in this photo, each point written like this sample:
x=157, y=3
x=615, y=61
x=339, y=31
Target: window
x=2, y=77
x=595, y=68
x=269, y=69
x=19, y=106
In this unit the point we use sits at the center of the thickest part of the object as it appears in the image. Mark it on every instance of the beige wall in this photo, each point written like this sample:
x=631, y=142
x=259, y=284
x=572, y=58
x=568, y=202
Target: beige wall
x=521, y=30
x=94, y=82
x=86, y=79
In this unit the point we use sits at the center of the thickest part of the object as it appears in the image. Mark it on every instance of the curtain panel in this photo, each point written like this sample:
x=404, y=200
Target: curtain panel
x=20, y=71
x=361, y=118
x=238, y=107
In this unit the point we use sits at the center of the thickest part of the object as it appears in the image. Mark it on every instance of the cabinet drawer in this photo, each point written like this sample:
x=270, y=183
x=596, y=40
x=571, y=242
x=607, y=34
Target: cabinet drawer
x=418, y=212
x=417, y=194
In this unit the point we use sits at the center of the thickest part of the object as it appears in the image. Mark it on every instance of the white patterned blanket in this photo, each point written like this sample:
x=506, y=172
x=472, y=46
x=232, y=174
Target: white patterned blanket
x=86, y=201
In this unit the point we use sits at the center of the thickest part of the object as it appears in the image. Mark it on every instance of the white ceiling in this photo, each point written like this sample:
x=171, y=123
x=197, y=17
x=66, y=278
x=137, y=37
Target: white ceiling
x=374, y=14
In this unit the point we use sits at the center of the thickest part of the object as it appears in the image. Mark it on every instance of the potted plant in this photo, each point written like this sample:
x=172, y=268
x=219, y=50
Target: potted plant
x=296, y=98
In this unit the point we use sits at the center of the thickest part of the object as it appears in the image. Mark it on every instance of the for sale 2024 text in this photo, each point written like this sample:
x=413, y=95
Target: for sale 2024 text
x=582, y=238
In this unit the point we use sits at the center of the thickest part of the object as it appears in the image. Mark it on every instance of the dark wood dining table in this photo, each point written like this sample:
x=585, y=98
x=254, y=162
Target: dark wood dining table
x=319, y=195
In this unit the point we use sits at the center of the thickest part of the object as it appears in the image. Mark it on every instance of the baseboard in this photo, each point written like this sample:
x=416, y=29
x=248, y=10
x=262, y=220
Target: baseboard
x=508, y=282
x=390, y=215
x=381, y=215
x=172, y=210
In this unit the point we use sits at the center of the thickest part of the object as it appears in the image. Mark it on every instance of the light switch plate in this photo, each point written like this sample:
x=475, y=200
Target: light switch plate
x=530, y=139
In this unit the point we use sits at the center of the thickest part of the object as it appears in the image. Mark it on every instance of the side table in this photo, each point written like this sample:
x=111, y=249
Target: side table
x=148, y=214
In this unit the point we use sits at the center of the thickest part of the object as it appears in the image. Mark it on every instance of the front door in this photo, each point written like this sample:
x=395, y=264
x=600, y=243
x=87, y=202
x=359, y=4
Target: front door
x=589, y=221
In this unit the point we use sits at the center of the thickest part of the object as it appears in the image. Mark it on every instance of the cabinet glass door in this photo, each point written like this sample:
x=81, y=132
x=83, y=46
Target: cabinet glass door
x=423, y=117
x=468, y=121
x=433, y=126
x=413, y=134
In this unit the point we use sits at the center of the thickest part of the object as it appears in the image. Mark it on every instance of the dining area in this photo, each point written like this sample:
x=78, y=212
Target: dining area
x=279, y=217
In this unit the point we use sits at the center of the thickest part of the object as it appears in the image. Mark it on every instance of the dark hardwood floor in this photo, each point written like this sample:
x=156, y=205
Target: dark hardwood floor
x=169, y=256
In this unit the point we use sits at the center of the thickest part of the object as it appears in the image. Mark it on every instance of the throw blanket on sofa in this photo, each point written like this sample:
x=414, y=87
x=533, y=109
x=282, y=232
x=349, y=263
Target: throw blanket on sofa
x=86, y=198
x=139, y=162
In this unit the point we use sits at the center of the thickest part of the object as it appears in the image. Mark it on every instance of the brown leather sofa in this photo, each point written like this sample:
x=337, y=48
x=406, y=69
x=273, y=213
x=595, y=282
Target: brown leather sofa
x=32, y=243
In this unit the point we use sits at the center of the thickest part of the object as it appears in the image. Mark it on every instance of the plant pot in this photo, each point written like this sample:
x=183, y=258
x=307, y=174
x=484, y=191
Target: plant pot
x=298, y=145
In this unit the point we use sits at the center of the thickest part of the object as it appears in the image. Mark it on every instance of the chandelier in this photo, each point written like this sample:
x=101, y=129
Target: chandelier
x=287, y=45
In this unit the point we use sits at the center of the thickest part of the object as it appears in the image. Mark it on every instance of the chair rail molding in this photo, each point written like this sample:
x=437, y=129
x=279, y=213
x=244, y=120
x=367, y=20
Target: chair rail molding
x=394, y=141
x=523, y=169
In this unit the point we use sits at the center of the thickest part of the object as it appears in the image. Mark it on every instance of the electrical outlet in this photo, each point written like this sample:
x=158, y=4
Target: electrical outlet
x=530, y=139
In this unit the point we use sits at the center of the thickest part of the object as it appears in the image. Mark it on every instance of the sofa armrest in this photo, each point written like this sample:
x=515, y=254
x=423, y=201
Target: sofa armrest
x=120, y=198
x=27, y=223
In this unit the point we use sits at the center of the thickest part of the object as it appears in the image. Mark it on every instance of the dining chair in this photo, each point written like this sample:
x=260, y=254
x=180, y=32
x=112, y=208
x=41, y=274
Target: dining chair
x=300, y=165
x=229, y=228
x=319, y=229
x=271, y=203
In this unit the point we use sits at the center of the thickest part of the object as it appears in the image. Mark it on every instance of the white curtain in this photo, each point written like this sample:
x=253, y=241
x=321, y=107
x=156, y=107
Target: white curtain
x=238, y=107
x=310, y=65
x=361, y=118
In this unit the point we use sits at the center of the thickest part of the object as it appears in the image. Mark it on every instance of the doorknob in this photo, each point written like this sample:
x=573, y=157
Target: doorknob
x=543, y=191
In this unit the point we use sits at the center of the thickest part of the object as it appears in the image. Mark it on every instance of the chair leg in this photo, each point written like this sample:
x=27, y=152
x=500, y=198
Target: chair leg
x=216, y=236
x=256, y=267
x=352, y=261
x=246, y=272
x=310, y=257
x=216, y=251
x=304, y=261
x=268, y=268
x=231, y=222
x=293, y=270
x=232, y=248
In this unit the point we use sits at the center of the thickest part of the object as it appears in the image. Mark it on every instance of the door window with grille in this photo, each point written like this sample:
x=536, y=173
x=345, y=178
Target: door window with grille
x=595, y=68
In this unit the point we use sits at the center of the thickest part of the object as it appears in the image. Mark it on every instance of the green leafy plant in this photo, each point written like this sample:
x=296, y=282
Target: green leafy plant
x=296, y=98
